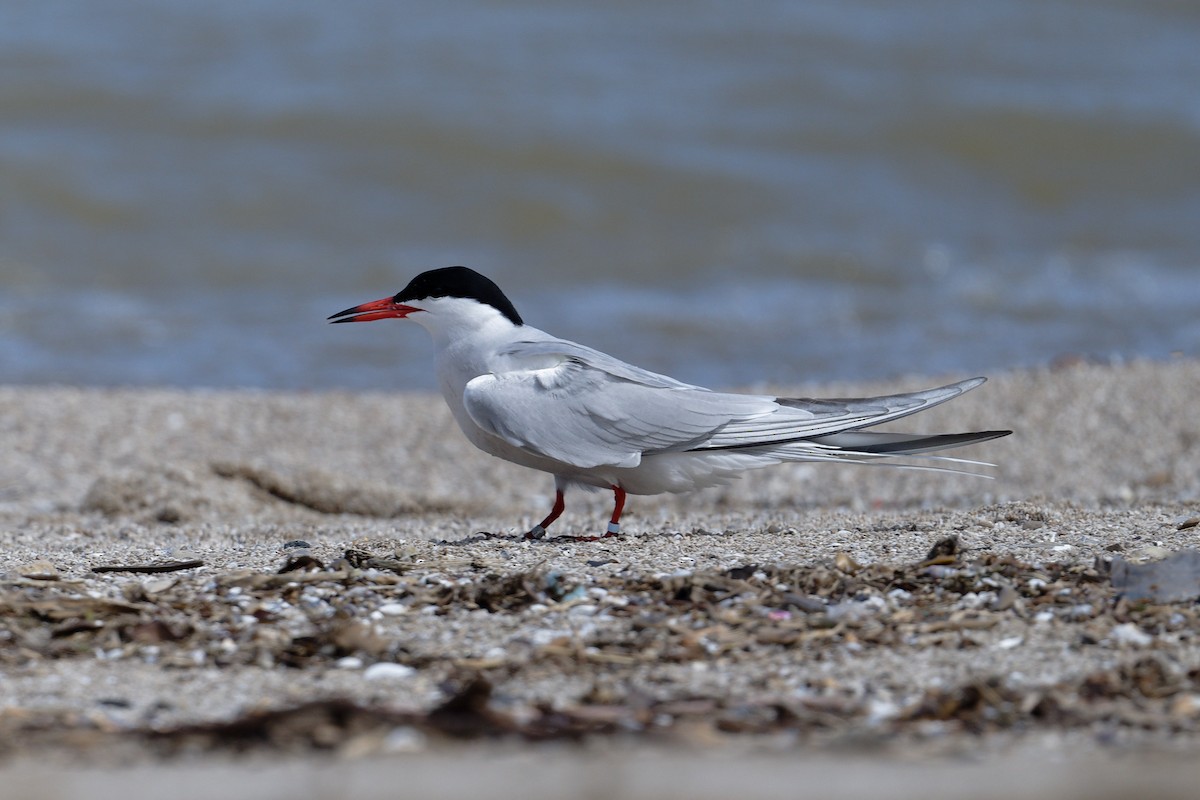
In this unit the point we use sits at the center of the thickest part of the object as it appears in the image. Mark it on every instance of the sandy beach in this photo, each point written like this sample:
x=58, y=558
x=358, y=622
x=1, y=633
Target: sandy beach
x=359, y=592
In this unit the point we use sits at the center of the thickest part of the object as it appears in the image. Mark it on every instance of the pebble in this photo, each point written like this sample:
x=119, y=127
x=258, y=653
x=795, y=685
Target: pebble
x=1186, y=705
x=854, y=610
x=977, y=600
x=1082, y=611
x=404, y=740
x=880, y=711
x=582, y=610
x=393, y=609
x=545, y=636
x=1005, y=598
x=1151, y=552
x=158, y=585
x=809, y=605
x=387, y=671
x=40, y=570
x=1131, y=635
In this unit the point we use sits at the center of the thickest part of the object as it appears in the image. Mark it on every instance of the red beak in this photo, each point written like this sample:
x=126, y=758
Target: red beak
x=377, y=309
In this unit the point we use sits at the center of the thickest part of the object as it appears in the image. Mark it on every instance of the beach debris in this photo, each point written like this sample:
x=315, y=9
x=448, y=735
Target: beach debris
x=1131, y=694
x=943, y=552
x=1173, y=579
x=361, y=559
x=318, y=725
x=301, y=563
x=158, y=566
x=315, y=615
x=341, y=726
x=385, y=610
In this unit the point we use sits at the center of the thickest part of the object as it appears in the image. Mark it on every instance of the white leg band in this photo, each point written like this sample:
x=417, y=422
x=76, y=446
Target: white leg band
x=614, y=527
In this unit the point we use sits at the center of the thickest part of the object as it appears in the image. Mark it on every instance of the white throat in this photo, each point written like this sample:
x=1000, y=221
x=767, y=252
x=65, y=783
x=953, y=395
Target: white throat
x=467, y=338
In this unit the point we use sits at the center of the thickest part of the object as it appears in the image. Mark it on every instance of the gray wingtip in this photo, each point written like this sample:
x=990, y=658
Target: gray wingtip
x=962, y=387
x=958, y=387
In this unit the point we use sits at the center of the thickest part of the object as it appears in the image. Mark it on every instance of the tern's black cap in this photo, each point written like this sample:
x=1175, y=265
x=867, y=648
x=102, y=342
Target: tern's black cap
x=459, y=282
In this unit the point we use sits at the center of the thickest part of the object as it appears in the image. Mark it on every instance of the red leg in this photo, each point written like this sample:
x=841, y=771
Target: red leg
x=539, y=530
x=614, y=526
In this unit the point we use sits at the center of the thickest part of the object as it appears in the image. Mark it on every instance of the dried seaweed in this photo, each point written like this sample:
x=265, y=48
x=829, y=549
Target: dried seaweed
x=313, y=616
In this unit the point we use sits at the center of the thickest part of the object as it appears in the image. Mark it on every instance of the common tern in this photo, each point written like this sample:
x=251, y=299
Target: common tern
x=592, y=420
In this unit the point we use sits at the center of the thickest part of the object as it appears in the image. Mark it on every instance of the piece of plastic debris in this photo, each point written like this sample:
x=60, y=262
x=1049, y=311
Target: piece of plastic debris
x=1172, y=580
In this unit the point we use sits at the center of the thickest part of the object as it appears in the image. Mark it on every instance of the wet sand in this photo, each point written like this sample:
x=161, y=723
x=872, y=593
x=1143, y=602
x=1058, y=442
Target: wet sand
x=796, y=614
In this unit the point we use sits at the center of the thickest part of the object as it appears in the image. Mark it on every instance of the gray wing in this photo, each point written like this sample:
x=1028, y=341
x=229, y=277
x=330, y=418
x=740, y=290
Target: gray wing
x=582, y=407
x=588, y=417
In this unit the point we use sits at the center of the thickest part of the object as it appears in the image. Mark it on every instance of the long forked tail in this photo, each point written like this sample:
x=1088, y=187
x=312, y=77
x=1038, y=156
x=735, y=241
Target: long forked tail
x=868, y=447
x=834, y=430
x=853, y=444
x=902, y=444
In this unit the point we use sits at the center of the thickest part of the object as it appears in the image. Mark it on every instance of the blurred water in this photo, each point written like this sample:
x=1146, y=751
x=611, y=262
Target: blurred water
x=730, y=193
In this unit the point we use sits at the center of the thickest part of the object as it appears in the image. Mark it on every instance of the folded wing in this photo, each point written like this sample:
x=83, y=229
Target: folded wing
x=588, y=417
x=576, y=405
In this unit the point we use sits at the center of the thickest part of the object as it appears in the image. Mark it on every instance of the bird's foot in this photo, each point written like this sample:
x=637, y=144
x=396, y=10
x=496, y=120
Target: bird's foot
x=539, y=532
